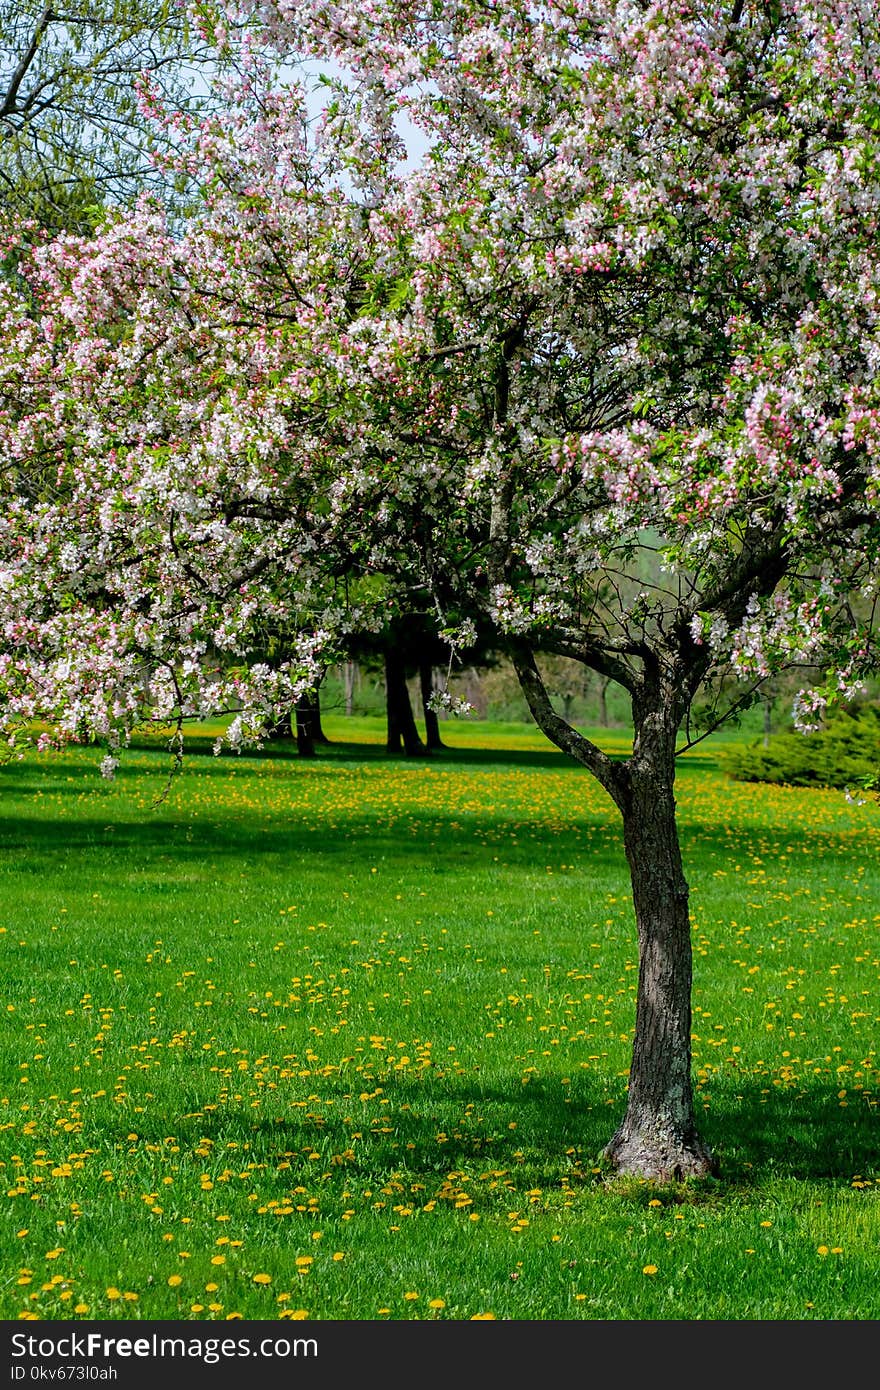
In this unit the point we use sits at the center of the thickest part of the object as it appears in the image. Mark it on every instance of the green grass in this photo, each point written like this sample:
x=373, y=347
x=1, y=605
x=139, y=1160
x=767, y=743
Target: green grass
x=361, y=1025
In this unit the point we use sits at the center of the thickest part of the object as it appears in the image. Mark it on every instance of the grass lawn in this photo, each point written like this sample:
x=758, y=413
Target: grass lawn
x=342, y=1039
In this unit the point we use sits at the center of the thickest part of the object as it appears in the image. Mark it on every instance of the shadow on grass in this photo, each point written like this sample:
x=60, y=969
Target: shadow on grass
x=337, y=751
x=800, y=1132
x=431, y=1130
x=440, y=838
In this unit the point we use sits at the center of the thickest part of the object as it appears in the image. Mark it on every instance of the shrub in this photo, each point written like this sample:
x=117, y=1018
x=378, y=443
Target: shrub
x=846, y=754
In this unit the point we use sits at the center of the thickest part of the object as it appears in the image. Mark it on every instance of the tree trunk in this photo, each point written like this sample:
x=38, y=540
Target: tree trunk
x=317, y=727
x=604, y=683
x=432, y=723
x=658, y=1137
x=349, y=676
x=401, y=724
x=305, y=736
x=768, y=721
x=283, y=729
x=308, y=724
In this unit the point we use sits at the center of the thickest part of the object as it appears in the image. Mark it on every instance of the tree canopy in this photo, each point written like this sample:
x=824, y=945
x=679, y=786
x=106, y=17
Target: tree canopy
x=73, y=128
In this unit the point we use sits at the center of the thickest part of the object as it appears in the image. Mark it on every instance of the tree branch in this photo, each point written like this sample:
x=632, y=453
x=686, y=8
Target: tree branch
x=612, y=776
x=8, y=107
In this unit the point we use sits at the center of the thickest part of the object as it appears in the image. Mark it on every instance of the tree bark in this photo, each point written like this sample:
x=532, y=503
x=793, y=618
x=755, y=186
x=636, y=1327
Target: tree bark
x=401, y=724
x=658, y=1137
x=433, y=740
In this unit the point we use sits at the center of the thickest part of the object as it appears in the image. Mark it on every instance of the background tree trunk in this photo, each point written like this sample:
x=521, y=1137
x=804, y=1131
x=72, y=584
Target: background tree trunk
x=305, y=735
x=349, y=678
x=312, y=703
x=401, y=724
x=604, y=683
x=283, y=729
x=432, y=723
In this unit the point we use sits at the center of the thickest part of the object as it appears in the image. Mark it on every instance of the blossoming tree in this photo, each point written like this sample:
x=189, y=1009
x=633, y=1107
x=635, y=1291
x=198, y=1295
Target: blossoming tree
x=625, y=306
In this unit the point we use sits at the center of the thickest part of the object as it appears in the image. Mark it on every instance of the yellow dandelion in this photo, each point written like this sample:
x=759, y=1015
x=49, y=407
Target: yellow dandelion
x=649, y=1269
x=482, y=1317
x=339, y=1254
x=822, y=1249
x=410, y=1296
x=218, y=1259
x=436, y=1303
x=175, y=1279
x=262, y=1278
x=197, y=1307
x=81, y=1308
x=113, y=1292
x=230, y=1317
